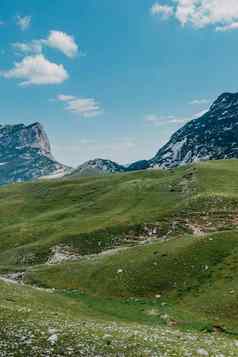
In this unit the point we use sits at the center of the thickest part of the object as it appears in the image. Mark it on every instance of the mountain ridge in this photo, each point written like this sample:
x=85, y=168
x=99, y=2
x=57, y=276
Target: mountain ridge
x=212, y=136
x=25, y=151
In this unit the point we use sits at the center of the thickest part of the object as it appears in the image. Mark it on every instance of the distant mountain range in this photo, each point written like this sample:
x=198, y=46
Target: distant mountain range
x=25, y=152
x=213, y=136
x=98, y=167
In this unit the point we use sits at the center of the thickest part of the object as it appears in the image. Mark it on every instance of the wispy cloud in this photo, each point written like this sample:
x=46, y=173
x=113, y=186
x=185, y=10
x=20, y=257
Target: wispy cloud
x=23, y=22
x=223, y=14
x=58, y=40
x=28, y=48
x=229, y=27
x=164, y=10
x=86, y=107
x=158, y=120
x=199, y=101
x=36, y=70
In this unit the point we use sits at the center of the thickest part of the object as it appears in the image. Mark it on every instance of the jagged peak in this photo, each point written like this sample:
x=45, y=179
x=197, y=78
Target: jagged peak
x=35, y=124
x=224, y=100
x=25, y=154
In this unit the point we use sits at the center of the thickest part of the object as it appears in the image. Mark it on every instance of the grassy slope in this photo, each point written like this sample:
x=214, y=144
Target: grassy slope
x=34, y=217
x=189, y=274
x=196, y=277
x=38, y=323
x=92, y=213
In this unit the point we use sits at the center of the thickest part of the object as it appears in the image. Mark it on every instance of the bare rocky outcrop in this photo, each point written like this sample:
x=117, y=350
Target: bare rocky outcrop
x=25, y=154
x=62, y=253
x=213, y=136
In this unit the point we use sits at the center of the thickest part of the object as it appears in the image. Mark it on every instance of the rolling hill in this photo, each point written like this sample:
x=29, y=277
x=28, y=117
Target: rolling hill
x=90, y=215
x=154, y=250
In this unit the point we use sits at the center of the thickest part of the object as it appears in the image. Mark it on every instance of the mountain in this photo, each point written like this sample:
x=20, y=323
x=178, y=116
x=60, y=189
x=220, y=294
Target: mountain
x=101, y=167
x=98, y=167
x=25, y=154
x=138, y=165
x=213, y=136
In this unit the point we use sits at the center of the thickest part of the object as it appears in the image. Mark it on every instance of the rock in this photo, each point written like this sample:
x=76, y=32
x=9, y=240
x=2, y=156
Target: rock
x=25, y=154
x=53, y=339
x=202, y=352
x=213, y=136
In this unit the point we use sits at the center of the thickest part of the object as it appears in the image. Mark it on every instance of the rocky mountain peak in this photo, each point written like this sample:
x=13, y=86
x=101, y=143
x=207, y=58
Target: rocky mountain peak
x=37, y=138
x=25, y=154
x=19, y=136
x=211, y=137
x=225, y=101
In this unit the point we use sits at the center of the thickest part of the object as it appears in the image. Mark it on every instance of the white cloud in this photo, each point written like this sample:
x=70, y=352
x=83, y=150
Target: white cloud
x=229, y=27
x=37, y=70
x=158, y=120
x=62, y=42
x=28, y=48
x=86, y=107
x=223, y=14
x=57, y=39
x=201, y=13
x=65, y=98
x=199, y=101
x=24, y=22
x=164, y=10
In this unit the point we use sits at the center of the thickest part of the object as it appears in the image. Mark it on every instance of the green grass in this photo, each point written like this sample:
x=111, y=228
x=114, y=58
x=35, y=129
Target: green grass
x=188, y=273
x=40, y=323
x=184, y=284
x=97, y=213
x=34, y=217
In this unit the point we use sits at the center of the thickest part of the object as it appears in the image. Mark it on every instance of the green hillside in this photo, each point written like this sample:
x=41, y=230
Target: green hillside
x=153, y=250
x=96, y=213
x=187, y=275
x=41, y=323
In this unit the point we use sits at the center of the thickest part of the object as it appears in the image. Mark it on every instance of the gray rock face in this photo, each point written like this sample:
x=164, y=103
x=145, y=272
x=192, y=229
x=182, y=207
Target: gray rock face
x=214, y=136
x=25, y=154
x=98, y=167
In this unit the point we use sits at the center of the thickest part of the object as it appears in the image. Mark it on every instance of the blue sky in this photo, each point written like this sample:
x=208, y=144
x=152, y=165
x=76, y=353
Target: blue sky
x=114, y=79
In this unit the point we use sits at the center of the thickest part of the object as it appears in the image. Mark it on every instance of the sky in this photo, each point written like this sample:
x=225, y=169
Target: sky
x=114, y=79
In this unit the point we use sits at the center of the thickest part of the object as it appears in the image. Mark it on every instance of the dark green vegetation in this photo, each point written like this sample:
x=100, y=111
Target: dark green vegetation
x=174, y=265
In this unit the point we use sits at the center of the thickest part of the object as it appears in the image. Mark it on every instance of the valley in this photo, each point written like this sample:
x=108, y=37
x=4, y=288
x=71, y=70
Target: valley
x=139, y=263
